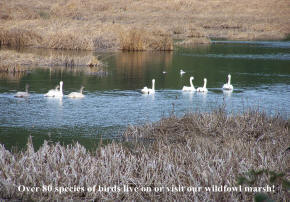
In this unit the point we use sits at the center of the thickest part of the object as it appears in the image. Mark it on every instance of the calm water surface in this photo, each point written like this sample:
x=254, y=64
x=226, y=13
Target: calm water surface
x=260, y=75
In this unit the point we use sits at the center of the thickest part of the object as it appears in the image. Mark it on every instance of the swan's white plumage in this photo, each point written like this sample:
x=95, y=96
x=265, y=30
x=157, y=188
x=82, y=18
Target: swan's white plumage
x=23, y=94
x=55, y=92
x=51, y=92
x=202, y=89
x=228, y=86
x=146, y=90
x=191, y=87
x=77, y=94
x=182, y=72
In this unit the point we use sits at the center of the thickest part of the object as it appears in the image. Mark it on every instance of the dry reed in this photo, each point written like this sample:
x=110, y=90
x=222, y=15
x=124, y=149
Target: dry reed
x=13, y=58
x=139, y=40
x=18, y=38
x=68, y=41
x=195, y=150
x=79, y=24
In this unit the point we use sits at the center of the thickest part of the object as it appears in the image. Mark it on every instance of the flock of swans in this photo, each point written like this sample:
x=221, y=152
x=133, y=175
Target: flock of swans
x=58, y=91
x=191, y=88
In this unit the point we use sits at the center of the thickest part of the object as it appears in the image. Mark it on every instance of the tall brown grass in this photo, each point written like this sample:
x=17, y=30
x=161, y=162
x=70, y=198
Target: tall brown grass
x=18, y=38
x=68, y=41
x=16, y=62
x=139, y=40
x=200, y=149
x=78, y=24
x=133, y=40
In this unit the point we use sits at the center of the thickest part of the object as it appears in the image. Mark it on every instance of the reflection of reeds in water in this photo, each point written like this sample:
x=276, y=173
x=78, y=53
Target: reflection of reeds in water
x=136, y=62
x=13, y=76
x=96, y=71
x=13, y=68
x=196, y=150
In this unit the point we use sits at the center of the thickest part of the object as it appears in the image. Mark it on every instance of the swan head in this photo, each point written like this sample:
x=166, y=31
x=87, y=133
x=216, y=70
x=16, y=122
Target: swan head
x=191, y=78
x=205, y=80
x=229, y=76
x=61, y=83
x=153, y=80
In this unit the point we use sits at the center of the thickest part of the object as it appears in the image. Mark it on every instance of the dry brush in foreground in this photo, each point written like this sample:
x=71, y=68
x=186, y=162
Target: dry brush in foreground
x=195, y=150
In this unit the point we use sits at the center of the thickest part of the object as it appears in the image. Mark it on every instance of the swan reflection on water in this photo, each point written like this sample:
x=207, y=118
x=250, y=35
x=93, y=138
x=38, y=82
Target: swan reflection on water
x=227, y=93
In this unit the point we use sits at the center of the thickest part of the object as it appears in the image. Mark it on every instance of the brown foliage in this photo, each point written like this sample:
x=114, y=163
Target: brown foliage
x=200, y=149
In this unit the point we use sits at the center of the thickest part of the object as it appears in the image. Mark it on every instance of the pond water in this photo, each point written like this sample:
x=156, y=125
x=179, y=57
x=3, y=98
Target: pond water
x=260, y=75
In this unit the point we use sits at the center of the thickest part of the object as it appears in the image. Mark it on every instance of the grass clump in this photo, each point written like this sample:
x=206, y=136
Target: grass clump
x=17, y=38
x=133, y=40
x=69, y=41
x=200, y=149
x=140, y=40
x=12, y=62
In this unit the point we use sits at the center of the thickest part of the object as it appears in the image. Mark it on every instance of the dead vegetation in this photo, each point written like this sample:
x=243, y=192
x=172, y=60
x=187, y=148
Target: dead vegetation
x=18, y=38
x=89, y=24
x=11, y=59
x=139, y=40
x=200, y=149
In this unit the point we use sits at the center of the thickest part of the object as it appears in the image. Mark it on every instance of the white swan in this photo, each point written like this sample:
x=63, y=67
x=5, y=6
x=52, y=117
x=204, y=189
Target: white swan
x=189, y=88
x=55, y=92
x=182, y=72
x=77, y=94
x=51, y=92
x=164, y=72
x=202, y=89
x=146, y=90
x=23, y=94
x=228, y=86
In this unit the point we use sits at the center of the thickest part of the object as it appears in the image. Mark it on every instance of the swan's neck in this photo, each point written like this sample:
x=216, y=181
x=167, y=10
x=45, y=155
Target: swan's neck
x=204, y=84
x=229, y=80
x=153, y=85
x=190, y=81
x=60, y=88
x=26, y=89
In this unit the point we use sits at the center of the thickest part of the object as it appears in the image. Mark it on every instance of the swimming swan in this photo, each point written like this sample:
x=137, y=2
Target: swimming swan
x=228, y=86
x=182, y=72
x=77, y=94
x=23, y=94
x=55, y=92
x=146, y=90
x=189, y=88
x=202, y=89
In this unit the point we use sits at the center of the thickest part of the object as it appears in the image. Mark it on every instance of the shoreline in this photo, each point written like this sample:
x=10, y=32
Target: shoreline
x=139, y=26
